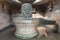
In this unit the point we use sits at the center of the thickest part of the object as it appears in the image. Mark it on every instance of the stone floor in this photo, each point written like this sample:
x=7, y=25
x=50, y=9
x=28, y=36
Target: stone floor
x=7, y=34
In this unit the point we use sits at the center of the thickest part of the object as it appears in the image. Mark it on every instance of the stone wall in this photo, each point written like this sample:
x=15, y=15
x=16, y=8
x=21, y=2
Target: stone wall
x=4, y=18
x=55, y=15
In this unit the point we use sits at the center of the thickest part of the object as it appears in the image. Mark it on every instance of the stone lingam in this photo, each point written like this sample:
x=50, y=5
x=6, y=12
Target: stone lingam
x=25, y=24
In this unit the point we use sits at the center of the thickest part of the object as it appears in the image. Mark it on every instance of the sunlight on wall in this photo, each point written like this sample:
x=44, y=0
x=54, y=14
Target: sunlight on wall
x=17, y=1
x=37, y=1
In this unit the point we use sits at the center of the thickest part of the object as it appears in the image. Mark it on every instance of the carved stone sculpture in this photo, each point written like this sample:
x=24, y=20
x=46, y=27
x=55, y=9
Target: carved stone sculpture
x=25, y=24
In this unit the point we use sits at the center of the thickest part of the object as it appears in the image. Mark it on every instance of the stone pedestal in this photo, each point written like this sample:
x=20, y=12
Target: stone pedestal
x=25, y=24
x=26, y=29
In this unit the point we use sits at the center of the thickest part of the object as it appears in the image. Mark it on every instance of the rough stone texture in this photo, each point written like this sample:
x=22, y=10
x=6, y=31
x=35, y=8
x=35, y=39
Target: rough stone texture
x=55, y=15
x=4, y=18
x=8, y=35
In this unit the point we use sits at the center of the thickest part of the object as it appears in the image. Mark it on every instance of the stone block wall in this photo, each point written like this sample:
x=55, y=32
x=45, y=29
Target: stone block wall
x=4, y=18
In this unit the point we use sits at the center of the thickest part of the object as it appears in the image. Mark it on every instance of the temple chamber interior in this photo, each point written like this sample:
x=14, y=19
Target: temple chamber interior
x=29, y=19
